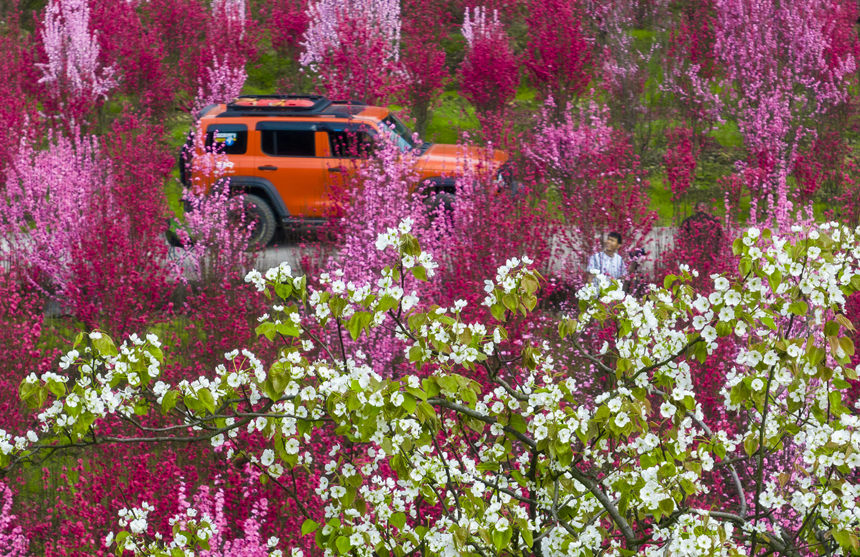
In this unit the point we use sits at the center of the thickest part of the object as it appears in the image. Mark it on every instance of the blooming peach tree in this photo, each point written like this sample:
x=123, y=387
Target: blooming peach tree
x=488, y=449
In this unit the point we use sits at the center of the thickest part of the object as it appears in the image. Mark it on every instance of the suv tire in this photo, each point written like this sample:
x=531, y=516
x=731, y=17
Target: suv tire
x=440, y=202
x=264, y=222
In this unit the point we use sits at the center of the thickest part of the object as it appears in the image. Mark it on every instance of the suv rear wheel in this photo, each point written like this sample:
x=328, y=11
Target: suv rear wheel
x=439, y=203
x=262, y=219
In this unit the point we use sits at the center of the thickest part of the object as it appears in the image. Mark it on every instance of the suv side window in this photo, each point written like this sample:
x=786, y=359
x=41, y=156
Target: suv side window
x=230, y=139
x=287, y=139
x=351, y=141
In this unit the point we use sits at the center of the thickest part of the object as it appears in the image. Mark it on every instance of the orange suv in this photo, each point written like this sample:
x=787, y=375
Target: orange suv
x=284, y=152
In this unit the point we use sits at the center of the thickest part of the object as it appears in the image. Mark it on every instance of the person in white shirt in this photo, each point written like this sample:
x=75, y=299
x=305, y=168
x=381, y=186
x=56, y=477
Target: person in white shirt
x=608, y=262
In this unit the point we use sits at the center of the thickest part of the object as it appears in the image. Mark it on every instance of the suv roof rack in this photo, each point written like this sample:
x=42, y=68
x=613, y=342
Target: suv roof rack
x=280, y=105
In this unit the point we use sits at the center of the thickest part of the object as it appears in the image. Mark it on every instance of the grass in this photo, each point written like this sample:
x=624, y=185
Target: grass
x=728, y=135
x=660, y=197
x=451, y=117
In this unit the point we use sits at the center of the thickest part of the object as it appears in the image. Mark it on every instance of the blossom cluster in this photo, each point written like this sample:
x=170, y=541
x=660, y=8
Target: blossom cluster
x=73, y=52
x=496, y=441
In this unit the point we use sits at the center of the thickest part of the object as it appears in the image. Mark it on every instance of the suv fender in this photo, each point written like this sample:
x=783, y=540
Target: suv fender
x=261, y=188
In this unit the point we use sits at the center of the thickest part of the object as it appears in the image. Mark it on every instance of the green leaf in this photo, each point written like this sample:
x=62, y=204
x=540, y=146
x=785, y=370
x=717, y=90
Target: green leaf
x=279, y=378
x=498, y=311
x=430, y=387
x=409, y=245
x=416, y=353
x=357, y=323
x=842, y=537
x=343, y=545
x=501, y=539
x=750, y=445
x=386, y=303
x=266, y=329
x=667, y=282
x=529, y=302
x=700, y=351
x=168, y=403
x=815, y=355
x=835, y=398
x=309, y=526
x=141, y=408
x=667, y=506
x=193, y=404
x=58, y=388
x=517, y=423
x=510, y=302
x=398, y=520
x=419, y=272
x=26, y=390
x=448, y=383
x=41, y=396
x=799, y=308
x=468, y=396
x=526, y=533
x=745, y=266
x=337, y=304
x=529, y=284
x=425, y=412
x=105, y=346
x=288, y=329
x=283, y=289
x=205, y=396
x=774, y=280
x=120, y=538
x=847, y=345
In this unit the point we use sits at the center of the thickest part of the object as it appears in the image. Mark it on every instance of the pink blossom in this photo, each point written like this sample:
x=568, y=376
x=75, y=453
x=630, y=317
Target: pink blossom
x=12, y=539
x=354, y=46
x=222, y=82
x=778, y=57
x=73, y=65
x=224, y=75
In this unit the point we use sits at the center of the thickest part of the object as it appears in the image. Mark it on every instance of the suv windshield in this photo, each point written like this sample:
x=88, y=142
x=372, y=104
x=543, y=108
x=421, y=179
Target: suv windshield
x=400, y=133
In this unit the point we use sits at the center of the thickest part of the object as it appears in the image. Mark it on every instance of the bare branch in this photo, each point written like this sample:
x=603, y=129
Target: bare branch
x=607, y=504
x=478, y=416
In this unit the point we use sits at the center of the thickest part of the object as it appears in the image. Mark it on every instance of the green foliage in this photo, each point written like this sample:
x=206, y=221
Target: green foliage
x=453, y=116
x=728, y=135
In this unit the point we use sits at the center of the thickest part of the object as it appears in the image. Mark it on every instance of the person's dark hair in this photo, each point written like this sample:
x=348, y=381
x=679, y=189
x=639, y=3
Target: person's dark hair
x=616, y=235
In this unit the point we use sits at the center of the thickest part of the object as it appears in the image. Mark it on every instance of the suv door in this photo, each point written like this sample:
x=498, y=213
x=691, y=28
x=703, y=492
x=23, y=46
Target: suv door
x=348, y=146
x=289, y=161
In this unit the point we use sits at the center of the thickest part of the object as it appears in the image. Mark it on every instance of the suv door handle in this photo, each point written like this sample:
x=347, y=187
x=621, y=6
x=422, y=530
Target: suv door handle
x=336, y=169
x=267, y=167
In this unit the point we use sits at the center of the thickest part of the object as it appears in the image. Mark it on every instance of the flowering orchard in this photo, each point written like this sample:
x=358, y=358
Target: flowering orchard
x=456, y=384
x=491, y=452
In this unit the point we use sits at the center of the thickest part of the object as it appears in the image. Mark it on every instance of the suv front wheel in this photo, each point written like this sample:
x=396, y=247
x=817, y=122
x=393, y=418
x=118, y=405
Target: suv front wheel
x=262, y=221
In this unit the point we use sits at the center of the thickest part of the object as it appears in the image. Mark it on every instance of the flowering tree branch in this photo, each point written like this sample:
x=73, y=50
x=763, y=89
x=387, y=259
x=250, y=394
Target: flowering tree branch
x=457, y=457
